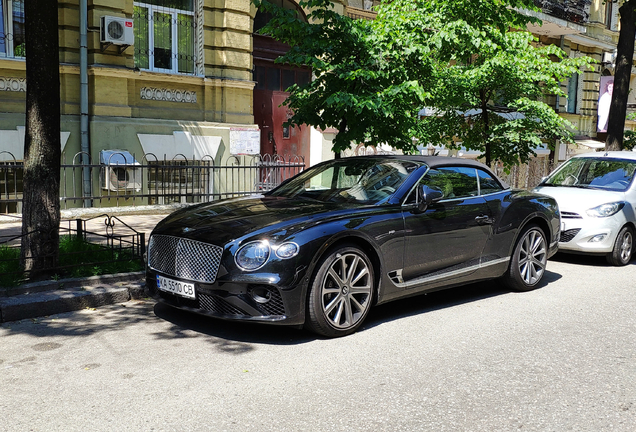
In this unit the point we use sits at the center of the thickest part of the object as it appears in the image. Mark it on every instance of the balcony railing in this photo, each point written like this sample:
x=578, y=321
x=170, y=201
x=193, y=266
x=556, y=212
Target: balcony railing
x=576, y=11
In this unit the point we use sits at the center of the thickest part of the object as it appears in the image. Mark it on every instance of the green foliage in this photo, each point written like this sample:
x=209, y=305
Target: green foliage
x=78, y=258
x=364, y=79
x=471, y=62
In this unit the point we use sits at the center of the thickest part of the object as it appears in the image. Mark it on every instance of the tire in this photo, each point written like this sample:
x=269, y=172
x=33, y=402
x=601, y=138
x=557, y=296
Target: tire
x=341, y=292
x=529, y=260
x=623, y=247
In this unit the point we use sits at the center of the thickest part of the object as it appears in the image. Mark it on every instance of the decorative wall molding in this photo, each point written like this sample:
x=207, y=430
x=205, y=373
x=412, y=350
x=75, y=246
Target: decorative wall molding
x=169, y=95
x=12, y=84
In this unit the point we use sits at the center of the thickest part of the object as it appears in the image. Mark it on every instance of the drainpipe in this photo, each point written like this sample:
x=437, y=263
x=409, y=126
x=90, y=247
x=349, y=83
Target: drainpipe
x=84, y=142
x=557, y=108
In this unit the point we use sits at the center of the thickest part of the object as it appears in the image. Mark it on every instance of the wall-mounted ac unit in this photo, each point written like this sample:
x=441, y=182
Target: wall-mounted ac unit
x=609, y=57
x=117, y=30
x=120, y=171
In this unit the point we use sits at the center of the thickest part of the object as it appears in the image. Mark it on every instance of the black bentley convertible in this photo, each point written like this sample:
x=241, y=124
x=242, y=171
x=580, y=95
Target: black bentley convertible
x=323, y=247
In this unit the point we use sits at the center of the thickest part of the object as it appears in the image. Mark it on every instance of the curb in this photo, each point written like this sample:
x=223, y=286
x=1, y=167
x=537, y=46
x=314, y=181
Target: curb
x=49, y=298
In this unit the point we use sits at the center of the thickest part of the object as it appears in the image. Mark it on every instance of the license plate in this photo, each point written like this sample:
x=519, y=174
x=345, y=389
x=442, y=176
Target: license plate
x=183, y=289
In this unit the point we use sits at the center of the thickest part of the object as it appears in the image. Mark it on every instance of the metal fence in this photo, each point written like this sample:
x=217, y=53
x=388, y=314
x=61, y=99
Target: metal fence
x=150, y=180
x=86, y=248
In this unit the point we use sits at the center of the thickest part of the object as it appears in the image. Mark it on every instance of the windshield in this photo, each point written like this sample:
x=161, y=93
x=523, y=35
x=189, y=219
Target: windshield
x=594, y=173
x=355, y=180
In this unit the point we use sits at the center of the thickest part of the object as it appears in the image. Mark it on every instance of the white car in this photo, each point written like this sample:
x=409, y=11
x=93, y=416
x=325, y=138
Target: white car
x=596, y=194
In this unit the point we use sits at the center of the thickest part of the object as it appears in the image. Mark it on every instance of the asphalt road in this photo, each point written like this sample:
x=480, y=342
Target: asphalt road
x=477, y=358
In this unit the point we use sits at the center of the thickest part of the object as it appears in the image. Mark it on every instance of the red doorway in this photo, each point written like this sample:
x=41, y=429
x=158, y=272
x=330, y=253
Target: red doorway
x=269, y=93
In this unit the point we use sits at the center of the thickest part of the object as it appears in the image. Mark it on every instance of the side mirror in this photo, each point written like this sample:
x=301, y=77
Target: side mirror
x=427, y=196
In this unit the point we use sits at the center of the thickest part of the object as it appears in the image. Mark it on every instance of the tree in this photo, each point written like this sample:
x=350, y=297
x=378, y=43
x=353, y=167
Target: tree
x=41, y=203
x=464, y=59
x=492, y=80
x=622, y=75
x=364, y=82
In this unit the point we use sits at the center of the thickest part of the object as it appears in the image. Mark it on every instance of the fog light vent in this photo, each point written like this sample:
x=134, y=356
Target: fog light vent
x=261, y=295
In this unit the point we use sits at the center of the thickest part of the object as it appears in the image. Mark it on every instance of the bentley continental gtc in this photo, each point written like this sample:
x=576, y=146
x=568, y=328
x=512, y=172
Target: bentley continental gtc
x=326, y=245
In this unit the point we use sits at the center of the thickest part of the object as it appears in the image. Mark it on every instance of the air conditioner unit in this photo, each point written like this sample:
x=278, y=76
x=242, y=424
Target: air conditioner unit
x=117, y=30
x=120, y=171
x=609, y=57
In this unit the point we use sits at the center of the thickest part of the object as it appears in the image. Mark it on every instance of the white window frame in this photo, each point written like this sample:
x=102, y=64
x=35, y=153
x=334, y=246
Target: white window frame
x=7, y=15
x=174, y=13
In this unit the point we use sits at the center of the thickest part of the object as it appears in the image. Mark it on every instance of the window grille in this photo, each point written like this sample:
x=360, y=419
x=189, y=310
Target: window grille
x=12, y=40
x=165, y=36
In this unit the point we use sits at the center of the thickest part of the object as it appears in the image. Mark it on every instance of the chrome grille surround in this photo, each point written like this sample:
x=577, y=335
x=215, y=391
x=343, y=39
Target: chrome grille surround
x=570, y=215
x=184, y=258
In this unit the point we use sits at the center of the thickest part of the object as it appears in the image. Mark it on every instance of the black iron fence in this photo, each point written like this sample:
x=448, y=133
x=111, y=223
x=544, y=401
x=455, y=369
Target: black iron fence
x=86, y=248
x=125, y=180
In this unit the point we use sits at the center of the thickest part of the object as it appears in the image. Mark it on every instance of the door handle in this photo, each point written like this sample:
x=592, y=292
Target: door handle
x=483, y=219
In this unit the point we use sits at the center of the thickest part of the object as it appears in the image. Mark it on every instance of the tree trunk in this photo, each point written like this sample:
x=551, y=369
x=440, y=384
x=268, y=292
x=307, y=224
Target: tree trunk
x=484, y=114
x=41, y=202
x=622, y=74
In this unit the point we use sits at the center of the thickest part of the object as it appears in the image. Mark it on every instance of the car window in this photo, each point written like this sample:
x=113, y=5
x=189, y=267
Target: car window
x=594, y=173
x=487, y=184
x=453, y=182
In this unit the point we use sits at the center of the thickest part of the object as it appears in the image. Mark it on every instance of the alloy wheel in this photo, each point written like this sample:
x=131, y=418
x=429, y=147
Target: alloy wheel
x=532, y=257
x=346, y=290
x=626, y=247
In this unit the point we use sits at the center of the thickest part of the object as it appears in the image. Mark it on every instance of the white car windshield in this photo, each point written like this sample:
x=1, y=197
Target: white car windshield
x=594, y=173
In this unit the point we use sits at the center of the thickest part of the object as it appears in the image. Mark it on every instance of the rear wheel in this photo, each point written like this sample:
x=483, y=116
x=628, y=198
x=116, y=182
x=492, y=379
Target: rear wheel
x=340, y=293
x=529, y=260
x=623, y=248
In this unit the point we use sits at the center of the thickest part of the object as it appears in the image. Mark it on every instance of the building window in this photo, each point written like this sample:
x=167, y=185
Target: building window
x=573, y=85
x=165, y=36
x=12, y=41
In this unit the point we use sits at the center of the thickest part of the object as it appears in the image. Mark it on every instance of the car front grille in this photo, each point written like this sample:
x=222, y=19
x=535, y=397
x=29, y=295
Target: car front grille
x=570, y=215
x=274, y=306
x=218, y=305
x=568, y=235
x=184, y=258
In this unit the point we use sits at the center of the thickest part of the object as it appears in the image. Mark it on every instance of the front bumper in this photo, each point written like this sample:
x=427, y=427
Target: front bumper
x=576, y=234
x=237, y=301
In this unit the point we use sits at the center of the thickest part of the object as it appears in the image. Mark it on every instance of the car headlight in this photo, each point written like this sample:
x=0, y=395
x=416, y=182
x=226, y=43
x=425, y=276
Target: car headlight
x=252, y=256
x=605, y=210
x=287, y=250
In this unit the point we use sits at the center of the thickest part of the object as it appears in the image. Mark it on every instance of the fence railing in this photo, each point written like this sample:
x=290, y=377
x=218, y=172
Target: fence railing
x=149, y=180
x=86, y=248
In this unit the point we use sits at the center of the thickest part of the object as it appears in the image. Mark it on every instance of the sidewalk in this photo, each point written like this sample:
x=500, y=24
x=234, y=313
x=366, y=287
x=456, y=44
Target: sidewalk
x=65, y=295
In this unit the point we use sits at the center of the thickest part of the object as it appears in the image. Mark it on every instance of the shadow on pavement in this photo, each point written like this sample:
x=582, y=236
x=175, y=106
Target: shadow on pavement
x=444, y=299
x=586, y=260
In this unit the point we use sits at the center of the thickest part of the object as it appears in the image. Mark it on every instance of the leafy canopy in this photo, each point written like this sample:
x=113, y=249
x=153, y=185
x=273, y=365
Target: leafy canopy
x=483, y=77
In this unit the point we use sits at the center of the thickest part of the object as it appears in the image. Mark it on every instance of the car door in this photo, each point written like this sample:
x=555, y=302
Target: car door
x=450, y=235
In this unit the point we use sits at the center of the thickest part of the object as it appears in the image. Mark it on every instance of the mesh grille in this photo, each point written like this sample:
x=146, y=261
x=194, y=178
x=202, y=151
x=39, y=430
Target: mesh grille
x=568, y=235
x=184, y=258
x=274, y=306
x=218, y=305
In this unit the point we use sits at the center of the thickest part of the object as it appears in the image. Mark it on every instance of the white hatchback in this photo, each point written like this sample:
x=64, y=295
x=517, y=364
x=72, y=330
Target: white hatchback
x=596, y=194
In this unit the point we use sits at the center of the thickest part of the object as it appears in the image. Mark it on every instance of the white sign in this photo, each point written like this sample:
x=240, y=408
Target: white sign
x=245, y=141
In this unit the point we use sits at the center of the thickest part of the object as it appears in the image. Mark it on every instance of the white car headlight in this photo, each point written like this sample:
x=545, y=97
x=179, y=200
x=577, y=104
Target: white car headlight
x=287, y=250
x=252, y=256
x=606, y=210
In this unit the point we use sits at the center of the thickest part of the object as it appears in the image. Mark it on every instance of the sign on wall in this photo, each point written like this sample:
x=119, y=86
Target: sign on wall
x=245, y=141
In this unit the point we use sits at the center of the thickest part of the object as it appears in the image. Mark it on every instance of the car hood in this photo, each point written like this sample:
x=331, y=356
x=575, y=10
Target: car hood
x=573, y=199
x=223, y=221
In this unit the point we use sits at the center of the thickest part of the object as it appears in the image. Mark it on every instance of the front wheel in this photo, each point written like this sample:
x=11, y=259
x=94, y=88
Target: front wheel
x=529, y=260
x=340, y=293
x=623, y=248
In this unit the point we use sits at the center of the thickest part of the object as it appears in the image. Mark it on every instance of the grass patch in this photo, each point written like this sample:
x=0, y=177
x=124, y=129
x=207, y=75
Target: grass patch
x=78, y=258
